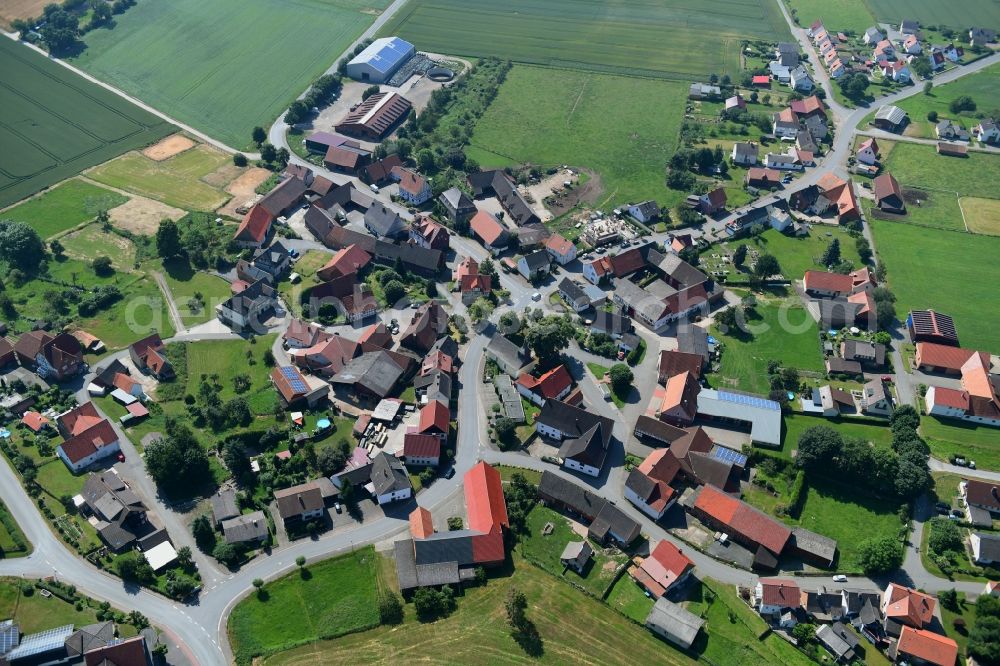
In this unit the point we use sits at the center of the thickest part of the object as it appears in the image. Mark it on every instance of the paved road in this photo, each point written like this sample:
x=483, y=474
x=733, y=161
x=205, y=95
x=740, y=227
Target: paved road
x=889, y=136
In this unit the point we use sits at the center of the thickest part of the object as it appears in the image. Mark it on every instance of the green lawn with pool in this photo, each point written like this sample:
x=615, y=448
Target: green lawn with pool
x=63, y=207
x=916, y=259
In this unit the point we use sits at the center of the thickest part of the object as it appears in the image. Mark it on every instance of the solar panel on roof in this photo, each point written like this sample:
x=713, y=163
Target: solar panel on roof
x=726, y=454
x=9, y=634
x=294, y=379
x=749, y=400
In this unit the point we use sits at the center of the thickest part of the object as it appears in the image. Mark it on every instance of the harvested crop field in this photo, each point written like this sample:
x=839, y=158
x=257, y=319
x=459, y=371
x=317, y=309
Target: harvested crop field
x=169, y=147
x=640, y=37
x=233, y=64
x=56, y=124
x=243, y=189
x=20, y=9
x=142, y=215
x=982, y=215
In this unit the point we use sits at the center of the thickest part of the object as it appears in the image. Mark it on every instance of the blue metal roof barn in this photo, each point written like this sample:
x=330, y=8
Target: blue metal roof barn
x=380, y=60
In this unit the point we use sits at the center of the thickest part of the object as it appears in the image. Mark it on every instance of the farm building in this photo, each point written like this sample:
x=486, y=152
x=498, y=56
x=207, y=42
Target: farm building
x=376, y=116
x=380, y=60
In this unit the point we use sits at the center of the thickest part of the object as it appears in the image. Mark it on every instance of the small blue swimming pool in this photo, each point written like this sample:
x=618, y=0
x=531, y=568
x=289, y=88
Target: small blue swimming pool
x=323, y=424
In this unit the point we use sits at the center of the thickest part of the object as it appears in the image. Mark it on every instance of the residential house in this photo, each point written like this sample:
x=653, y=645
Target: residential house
x=245, y=529
x=666, y=567
x=120, y=652
x=428, y=323
x=574, y=295
x=748, y=526
x=534, y=265
x=822, y=284
x=801, y=80
x=561, y=250
x=488, y=230
x=552, y=385
x=870, y=355
x=745, y=153
x=89, y=445
x=911, y=45
x=499, y=184
x=300, y=503
x=457, y=204
x=428, y=234
x=435, y=420
x=902, y=605
x=383, y=222
x=585, y=436
x=380, y=172
x=52, y=357
x=839, y=641
x=774, y=596
x=978, y=399
x=255, y=229
x=608, y=523
x=926, y=648
x=674, y=623
x=119, y=514
x=510, y=358
x=389, y=479
x=349, y=157
x=888, y=194
x=679, y=403
x=781, y=161
x=224, y=506
x=250, y=308
x=576, y=555
x=867, y=152
x=950, y=131
x=648, y=485
x=763, y=178
x=985, y=548
x=875, y=400
x=712, y=202
x=421, y=450
x=350, y=260
x=787, y=54
x=675, y=362
x=645, y=212
x=979, y=36
x=474, y=286
x=273, y=261
x=873, y=36
x=149, y=355
x=413, y=188
x=987, y=131
x=610, y=324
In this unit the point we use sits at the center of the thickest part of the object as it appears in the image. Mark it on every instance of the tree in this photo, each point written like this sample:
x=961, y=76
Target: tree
x=102, y=266
x=426, y=162
x=766, y=266
x=880, y=555
x=932, y=116
x=177, y=462
x=831, y=255
x=134, y=569
x=854, y=86
x=258, y=585
x=20, y=246
x=803, y=633
x=226, y=553
x=515, y=605
x=521, y=497
x=922, y=67
x=300, y=561
x=394, y=291
x=455, y=523
x=949, y=598
x=818, y=446
x=56, y=248
x=984, y=639
x=621, y=378
x=912, y=478
x=728, y=320
x=268, y=152
x=204, y=535
x=431, y=604
x=504, y=428
x=904, y=416
x=962, y=103
x=740, y=256
x=259, y=135
x=168, y=239
x=390, y=608
x=234, y=455
x=240, y=160
x=944, y=535
x=297, y=112
x=138, y=620
x=330, y=460
x=548, y=337
x=184, y=558
x=369, y=91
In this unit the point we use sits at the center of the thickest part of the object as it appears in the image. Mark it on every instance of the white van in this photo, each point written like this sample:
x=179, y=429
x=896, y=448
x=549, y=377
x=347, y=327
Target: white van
x=374, y=188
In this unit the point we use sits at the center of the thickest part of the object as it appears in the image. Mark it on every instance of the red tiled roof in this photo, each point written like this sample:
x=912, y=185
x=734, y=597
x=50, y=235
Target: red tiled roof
x=137, y=409
x=421, y=446
x=550, y=384
x=983, y=493
x=34, y=420
x=409, y=181
x=124, y=382
x=486, y=226
x=558, y=244
x=421, y=523
x=926, y=645
x=743, y=519
x=488, y=548
x=942, y=356
x=761, y=79
x=660, y=465
x=255, y=225
x=437, y=360
x=79, y=418
x=664, y=566
x=475, y=282
x=484, y=500
x=350, y=259
x=284, y=383
x=434, y=416
x=675, y=362
x=824, y=281
x=89, y=441
x=468, y=266
x=627, y=262
x=128, y=652
x=913, y=607
x=780, y=592
x=949, y=397
x=763, y=174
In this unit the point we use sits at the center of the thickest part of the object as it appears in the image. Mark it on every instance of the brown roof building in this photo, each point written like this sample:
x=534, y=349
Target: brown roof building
x=376, y=116
x=888, y=194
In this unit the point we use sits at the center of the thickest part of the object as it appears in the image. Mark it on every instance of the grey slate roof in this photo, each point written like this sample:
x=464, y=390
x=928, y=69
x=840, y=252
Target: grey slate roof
x=412, y=575
x=822, y=547
x=573, y=421
x=382, y=221
x=573, y=292
x=251, y=527
x=590, y=448
x=376, y=371
x=224, y=505
x=388, y=474
x=675, y=621
x=611, y=323
x=90, y=637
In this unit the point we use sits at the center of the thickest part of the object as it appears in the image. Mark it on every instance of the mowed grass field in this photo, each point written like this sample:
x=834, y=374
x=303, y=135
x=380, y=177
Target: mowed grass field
x=664, y=38
x=920, y=166
x=624, y=128
x=63, y=207
x=982, y=215
x=983, y=87
x=837, y=15
x=574, y=628
x=948, y=437
x=949, y=271
x=796, y=255
x=931, y=12
x=55, y=123
x=177, y=181
x=227, y=65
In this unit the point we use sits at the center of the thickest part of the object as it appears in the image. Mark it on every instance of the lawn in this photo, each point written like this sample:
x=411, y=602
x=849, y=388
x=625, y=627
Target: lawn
x=796, y=255
x=917, y=257
x=947, y=438
x=782, y=331
x=967, y=611
x=224, y=81
x=36, y=613
x=306, y=266
x=544, y=550
x=981, y=215
x=13, y=543
x=574, y=630
x=653, y=38
x=936, y=208
x=918, y=165
x=177, y=181
x=837, y=15
x=339, y=596
x=630, y=600
x=57, y=123
x=184, y=282
x=732, y=629
x=228, y=358
x=623, y=128
x=63, y=207
x=876, y=432
x=599, y=371
x=959, y=15
x=983, y=86
x=92, y=241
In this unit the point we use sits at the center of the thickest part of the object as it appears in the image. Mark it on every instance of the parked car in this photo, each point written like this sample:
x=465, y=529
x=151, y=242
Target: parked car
x=121, y=457
x=840, y=578
x=337, y=507
x=536, y=296
x=450, y=473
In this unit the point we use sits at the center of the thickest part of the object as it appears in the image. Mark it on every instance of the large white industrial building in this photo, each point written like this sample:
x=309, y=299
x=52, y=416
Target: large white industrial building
x=380, y=60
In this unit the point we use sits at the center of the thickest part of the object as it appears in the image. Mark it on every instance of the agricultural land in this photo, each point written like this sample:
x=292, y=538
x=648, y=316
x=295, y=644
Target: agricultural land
x=56, y=124
x=983, y=87
x=234, y=64
x=63, y=207
x=858, y=15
